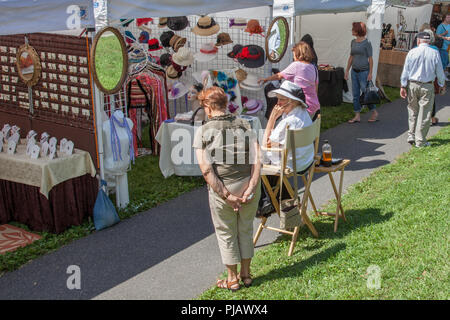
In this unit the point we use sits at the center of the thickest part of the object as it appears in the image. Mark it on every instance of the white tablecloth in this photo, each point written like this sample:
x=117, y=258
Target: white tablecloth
x=175, y=138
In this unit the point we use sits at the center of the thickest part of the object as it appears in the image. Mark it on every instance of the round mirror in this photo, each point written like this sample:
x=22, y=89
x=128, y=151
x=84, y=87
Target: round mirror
x=28, y=64
x=277, y=39
x=109, y=60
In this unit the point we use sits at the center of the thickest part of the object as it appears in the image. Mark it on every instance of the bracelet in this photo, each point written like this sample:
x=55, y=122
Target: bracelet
x=226, y=195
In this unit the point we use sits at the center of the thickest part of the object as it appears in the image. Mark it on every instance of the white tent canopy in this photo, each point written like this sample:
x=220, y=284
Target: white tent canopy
x=168, y=8
x=305, y=7
x=26, y=16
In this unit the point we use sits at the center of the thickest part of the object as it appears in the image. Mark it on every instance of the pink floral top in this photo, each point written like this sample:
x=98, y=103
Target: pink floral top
x=306, y=76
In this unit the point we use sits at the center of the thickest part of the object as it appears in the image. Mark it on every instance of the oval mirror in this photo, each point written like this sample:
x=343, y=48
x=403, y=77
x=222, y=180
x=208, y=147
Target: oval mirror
x=277, y=39
x=109, y=60
x=28, y=64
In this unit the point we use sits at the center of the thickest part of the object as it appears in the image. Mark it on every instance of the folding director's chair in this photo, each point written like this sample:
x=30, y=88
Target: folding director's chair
x=295, y=138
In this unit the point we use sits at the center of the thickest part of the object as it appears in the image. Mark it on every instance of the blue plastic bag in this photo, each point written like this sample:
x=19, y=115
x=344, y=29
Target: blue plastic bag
x=105, y=215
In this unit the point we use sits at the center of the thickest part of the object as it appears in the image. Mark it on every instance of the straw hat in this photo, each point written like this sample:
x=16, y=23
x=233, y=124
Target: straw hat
x=207, y=53
x=171, y=73
x=238, y=23
x=223, y=39
x=178, y=90
x=206, y=26
x=176, y=42
x=251, y=83
x=241, y=75
x=253, y=27
x=162, y=22
x=183, y=57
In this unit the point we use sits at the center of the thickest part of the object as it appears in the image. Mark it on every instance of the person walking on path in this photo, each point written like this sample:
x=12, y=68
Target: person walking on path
x=228, y=155
x=443, y=31
x=361, y=62
x=422, y=65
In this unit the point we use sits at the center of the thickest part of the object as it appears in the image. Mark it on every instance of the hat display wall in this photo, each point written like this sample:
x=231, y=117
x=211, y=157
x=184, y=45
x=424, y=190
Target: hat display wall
x=223, y=39
x=176, y=42
x=251, y=83
x=206, y=26
x=177, y=23
x=153, y=45
x=183, y=57
x=206, y=53
x=237, y=23
x=162, y=23
x=253, y=27
x=289, y=90
x=178, y=90
x=165, y=38
x=251, y=56
x=252, y=106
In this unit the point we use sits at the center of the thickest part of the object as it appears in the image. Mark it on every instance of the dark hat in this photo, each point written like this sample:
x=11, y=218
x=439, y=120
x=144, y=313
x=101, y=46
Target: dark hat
x=236, y=49
x=424, y=35
x=251, y=56
x=165, y=60
x=177, y=23
x=223, y=39
x=165, y=38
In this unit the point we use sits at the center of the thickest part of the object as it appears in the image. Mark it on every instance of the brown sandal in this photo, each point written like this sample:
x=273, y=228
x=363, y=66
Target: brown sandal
x=246, y=280
x=224, y=284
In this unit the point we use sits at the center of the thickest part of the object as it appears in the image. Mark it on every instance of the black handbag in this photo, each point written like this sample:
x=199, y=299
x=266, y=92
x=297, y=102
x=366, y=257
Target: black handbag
x=370, y=95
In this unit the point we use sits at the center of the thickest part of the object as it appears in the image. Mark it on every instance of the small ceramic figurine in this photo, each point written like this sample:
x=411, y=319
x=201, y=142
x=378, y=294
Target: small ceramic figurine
x=195, y=104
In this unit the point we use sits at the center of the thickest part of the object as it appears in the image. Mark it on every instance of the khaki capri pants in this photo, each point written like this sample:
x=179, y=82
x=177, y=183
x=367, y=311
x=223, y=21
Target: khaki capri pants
x=234, y=230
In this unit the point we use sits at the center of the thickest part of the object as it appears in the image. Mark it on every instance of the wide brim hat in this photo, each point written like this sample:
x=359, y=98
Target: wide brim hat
x=289, y=90
x=236, y=49
x=206, y=26
x=223, y=39
x=178, y=90
x=172, y=74
x=253, y=106
x=251, y=83
x=177, y=23
x=207, y=53
x=183, y=57
x=153, y=45
x=251, y=56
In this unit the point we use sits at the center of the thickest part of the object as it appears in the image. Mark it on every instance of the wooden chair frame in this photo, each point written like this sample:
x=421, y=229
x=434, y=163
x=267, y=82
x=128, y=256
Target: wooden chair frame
x=294, y=139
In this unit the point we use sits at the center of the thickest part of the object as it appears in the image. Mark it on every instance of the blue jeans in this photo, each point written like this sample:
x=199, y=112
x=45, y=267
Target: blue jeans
x=444, y=58
x=359, y=82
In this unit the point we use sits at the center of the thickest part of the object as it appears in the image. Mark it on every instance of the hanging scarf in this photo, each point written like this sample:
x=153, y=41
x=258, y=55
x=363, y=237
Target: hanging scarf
x=115, y=142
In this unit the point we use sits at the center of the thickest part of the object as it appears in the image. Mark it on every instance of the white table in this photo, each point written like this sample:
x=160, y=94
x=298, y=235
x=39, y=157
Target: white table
x=177, y=155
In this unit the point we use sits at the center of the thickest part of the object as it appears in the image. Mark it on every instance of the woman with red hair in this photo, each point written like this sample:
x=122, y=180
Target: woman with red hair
x=361, y=62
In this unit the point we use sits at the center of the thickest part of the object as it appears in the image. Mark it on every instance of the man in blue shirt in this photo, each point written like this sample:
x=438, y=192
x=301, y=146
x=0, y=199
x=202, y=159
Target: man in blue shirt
x=422, y=65
x=443, y=31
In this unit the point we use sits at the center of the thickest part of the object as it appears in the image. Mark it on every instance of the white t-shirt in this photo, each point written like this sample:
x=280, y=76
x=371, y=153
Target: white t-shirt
x=296, y=119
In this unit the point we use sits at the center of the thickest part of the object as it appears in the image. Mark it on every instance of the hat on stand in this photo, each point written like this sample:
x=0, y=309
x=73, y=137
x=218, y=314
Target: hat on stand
x=178, y=90
x=176, y=42
x=162, y=23
x=253, y=27
x=223, y=39
x=153, y=45
x=206, y=26
x=237, y=23
x=253, y=106
x=177, y=23
x=183, y=57
x=251, y=56
x=206, y=53
x=165, y=38
x=251, y=83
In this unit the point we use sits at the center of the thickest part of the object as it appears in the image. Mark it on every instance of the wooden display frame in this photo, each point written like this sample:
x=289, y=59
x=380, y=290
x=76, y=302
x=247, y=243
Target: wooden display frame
x=285, y=22
x=36, y=64
x=119, y=84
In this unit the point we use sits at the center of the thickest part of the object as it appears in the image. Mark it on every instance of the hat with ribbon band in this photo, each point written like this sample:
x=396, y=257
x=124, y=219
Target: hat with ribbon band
x=251, y=56
x=206, y=26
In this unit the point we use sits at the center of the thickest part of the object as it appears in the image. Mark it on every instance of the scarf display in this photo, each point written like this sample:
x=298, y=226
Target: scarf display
x=115, y=141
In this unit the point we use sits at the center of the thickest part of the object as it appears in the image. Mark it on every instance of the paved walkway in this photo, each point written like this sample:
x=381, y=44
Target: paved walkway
x=171, y=252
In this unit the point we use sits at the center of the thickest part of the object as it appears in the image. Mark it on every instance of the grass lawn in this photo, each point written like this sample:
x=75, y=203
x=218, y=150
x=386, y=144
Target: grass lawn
x=398, y=221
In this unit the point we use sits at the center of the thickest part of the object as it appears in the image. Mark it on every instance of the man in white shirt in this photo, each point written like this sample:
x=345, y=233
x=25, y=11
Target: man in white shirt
x=422, y=65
